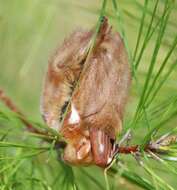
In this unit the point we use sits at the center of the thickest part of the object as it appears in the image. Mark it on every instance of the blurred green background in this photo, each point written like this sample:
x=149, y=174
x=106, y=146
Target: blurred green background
x=30, y=30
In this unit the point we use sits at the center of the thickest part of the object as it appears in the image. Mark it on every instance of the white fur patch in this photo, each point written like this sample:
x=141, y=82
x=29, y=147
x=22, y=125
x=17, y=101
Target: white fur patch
x=74, y=118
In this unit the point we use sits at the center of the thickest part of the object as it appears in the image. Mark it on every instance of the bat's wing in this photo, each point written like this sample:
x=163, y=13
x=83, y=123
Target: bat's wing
x=104, y=84
x=102, y=92
x=63, y=70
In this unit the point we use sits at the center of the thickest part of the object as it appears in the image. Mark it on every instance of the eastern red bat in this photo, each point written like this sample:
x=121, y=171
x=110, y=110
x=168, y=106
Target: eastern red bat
x=84, y=95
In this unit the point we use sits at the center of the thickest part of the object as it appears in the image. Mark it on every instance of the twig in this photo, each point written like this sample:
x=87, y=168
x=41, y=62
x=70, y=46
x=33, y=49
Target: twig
x=128, y=149
x=136, y=149
x=152, y=147
x=10, y=104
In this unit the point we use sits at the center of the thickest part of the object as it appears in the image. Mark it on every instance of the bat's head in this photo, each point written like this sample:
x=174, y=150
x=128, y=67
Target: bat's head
x=98, y=148
x=76, y=134
x=87, y=144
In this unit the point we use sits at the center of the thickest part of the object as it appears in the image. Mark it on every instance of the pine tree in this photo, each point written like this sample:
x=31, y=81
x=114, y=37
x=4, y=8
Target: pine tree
x=30, y=151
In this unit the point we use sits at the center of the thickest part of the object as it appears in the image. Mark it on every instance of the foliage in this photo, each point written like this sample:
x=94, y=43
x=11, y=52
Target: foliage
x=29, y=31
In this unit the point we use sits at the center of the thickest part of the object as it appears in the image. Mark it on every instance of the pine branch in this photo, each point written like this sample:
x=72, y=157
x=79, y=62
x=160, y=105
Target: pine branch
x=33, y=131
x=10, y=104
x=154, y=147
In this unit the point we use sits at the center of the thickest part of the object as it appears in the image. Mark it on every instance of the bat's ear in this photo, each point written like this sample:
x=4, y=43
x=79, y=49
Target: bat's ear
x=102, y=147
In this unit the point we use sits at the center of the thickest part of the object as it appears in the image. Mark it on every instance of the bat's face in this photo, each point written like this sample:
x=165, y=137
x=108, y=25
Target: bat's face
x=78, y=149
x=86, y=144
x=90, y=137
x=84, y=96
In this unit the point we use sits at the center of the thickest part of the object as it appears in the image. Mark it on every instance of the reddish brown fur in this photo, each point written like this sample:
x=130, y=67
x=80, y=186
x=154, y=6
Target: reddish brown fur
x=63, y=70
x=96, y=111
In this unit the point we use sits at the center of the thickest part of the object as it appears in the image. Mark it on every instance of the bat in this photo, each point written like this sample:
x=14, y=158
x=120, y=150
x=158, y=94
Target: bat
x=84, y=95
